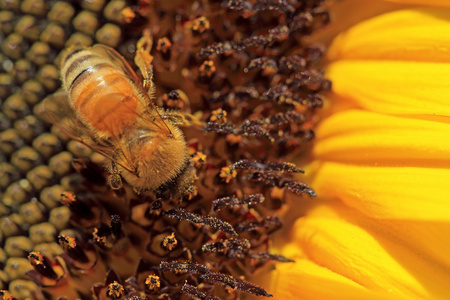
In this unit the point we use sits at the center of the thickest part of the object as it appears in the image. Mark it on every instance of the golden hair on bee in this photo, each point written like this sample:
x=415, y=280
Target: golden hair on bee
x=115, y=116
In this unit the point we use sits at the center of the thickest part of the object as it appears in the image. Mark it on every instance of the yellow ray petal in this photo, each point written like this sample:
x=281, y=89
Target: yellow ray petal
x=406, y=35
x=386, y=192
x=443, y=3
x=394, y=87
x=313, y=282
x=395, y=64
x=350, y=12
x=362, y=250
x=425, y=237
x=359, y=136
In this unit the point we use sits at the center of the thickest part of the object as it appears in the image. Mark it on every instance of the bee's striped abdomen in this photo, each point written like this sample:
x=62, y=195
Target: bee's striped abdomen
x=102, y=97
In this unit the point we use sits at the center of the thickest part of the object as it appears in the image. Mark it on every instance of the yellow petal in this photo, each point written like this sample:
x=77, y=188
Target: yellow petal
x=443, y=3
x=368, y=253
x=425, y=237
x=387, y=192
x=406, y=35
x=396, y=63
x=384, y=174
x=350, y=12
x=363, y=137
x=393, y=87
x=313, y=282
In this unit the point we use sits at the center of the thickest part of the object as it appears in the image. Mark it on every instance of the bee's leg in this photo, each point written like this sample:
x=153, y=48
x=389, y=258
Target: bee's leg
x=114, y=180
x=144, y=59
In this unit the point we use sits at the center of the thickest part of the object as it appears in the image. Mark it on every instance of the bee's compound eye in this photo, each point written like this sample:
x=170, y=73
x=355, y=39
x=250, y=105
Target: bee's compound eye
x=115, y=181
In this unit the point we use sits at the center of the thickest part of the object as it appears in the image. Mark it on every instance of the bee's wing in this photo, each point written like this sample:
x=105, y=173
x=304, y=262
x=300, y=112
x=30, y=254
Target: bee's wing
x=120, y=62
x=57, y=110
x=117, y=60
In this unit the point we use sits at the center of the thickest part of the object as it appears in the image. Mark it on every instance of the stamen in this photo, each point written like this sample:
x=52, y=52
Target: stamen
x=247, y=164
x=199, y=219
x=233, y=201
x=196, y=293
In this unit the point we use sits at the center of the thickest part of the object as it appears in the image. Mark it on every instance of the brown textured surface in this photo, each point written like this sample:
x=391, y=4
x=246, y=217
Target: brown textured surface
x=254, y=85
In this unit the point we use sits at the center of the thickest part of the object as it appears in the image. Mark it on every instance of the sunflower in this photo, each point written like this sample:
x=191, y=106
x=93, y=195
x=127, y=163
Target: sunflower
x=380, y=166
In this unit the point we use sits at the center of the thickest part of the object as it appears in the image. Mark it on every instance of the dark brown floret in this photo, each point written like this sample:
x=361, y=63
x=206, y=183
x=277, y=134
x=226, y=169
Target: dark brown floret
x=79, y=208
x=48, y=273
x=116, y=225
x=72, y=248
x=42, y=265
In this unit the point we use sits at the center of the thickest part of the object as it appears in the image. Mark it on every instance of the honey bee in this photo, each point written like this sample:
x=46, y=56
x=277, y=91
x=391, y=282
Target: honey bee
x=115, y=116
